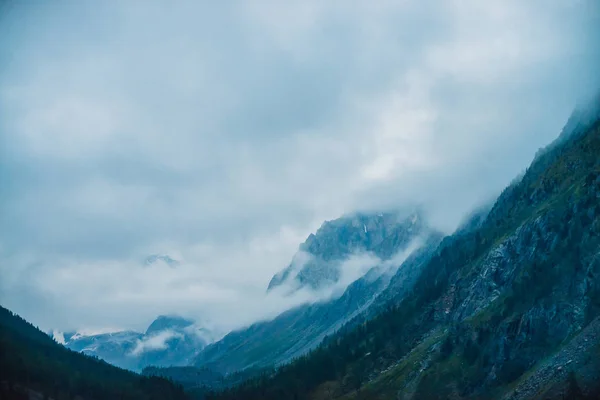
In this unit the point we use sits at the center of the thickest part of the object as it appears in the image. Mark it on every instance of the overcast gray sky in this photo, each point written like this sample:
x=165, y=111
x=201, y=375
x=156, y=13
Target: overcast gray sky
x=223, y=133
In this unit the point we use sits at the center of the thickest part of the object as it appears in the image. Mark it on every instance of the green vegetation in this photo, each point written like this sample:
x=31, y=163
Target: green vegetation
x=469, y=328
x=198, y=381
x=553, y=210
x=31, y=361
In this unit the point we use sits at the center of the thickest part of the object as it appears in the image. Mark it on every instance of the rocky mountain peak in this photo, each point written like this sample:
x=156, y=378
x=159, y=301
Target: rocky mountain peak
x=318, y=262
x=161, y=258
x=168, y=340
x=163, y=322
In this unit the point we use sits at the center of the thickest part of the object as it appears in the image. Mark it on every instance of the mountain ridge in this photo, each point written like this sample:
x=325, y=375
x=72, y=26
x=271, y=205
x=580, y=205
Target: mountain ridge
x=317, y=264
x=170, y=340
x=490, y=303
x=297, y=331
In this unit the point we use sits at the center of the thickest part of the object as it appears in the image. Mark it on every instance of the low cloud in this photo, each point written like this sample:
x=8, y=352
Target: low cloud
x=223, y=135
x=351, y=269
x=360, y=264
x=154, y=342
x=59, y=337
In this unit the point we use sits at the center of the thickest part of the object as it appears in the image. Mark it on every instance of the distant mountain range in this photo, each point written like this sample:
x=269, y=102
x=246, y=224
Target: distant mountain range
x=168, y=341
x=352, y=259
x=506, y=307
x=33, y=366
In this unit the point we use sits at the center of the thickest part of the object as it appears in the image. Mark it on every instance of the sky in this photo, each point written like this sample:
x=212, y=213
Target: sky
x=223, y=133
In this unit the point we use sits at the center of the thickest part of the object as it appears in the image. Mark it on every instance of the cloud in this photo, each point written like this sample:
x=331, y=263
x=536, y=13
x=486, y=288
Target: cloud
x=222, y=135
x=353, y=267
x=59, y=337
x=154, y=342
x=360, y=264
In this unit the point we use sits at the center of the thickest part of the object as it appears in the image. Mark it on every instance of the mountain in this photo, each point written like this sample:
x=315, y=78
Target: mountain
x=36, y=367
x=110, y=347
x=168, y=341
x=319, y=260
x=507, y=308
x=164, y=322
x=161, y=258
x=397, y=243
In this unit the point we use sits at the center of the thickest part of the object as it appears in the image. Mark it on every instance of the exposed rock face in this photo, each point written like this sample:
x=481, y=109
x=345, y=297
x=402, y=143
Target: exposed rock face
x=320, y=258
x=507, y=307
x=578, y=359
x=517, y=289
x=301, y=329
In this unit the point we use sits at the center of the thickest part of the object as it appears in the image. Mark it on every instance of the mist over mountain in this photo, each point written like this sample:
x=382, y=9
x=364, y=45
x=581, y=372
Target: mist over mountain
x=392, y=241
x=300, y=200
x=221, y=137
x=506, y=307
x=319, y=260
x=168, y=341
x=35, y=366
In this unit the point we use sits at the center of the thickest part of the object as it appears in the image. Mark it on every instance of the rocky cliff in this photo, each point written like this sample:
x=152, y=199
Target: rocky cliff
x=319, y=261
x=398, y=246
x=506, y=308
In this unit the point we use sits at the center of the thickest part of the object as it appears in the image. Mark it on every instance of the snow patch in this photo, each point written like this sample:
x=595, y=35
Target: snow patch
x=92, y=332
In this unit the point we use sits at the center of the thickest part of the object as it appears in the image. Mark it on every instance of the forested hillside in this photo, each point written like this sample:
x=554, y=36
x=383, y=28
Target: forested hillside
x=32, y=365
x=298, y=330
x=507, y=308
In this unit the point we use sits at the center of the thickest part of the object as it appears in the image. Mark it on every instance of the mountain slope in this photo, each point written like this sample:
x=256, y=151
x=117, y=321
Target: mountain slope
x=297, y=331
x=168, y=341
x=319, y=261
x=490, y=306
x=32, y=364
